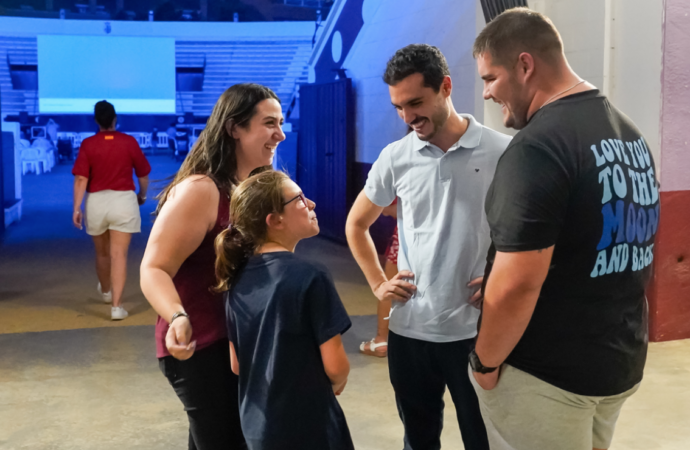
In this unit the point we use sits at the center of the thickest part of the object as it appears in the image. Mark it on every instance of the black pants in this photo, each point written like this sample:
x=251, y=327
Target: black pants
x=420, y=372
x=208, y=390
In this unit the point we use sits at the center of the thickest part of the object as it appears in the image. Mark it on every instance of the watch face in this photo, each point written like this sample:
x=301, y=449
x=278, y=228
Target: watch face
x=477, y=365
x=474, y=362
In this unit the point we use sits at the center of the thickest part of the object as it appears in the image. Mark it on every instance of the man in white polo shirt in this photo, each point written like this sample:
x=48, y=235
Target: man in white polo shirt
x=441, y=174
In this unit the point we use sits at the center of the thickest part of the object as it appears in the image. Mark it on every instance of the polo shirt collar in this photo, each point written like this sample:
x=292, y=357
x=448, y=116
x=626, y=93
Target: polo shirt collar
x=471, y=138
x=417, y=144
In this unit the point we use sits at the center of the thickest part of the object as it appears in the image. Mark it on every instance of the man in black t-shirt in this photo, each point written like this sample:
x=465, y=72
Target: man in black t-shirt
x=573, y=211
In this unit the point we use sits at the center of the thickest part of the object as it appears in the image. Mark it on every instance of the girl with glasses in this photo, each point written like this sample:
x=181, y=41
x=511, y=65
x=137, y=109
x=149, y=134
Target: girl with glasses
x=284, y=318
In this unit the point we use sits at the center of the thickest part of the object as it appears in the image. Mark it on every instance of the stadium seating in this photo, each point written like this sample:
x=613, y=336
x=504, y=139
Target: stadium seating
x=279, y=63
x=16, y=50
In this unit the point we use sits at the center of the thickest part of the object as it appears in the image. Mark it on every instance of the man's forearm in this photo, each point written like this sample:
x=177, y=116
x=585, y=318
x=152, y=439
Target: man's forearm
x=364, y=251
x=505, y=316
x=512, y=291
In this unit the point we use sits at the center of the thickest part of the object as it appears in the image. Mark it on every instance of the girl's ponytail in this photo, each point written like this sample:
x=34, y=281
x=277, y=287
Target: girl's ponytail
x=232, y=252
x=252, y=201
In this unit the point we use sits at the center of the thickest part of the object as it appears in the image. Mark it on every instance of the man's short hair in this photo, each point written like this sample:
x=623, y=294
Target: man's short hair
x=519, y=30
x=104, y=113
x=417, y=58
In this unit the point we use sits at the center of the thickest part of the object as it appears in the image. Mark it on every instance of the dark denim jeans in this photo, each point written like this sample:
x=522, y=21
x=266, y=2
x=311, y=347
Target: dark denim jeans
x=208, y=390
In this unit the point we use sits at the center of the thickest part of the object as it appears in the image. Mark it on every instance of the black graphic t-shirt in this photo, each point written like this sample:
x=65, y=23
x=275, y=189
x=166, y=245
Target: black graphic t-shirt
x=279, y=311
x=580, y=176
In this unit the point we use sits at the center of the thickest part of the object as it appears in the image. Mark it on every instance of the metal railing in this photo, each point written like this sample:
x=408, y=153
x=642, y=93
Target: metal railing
x=492, y=8
x=316, y=50
x=308, y=3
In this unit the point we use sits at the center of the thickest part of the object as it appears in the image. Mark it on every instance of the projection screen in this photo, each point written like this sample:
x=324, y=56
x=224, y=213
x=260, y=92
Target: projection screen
x=136, y=74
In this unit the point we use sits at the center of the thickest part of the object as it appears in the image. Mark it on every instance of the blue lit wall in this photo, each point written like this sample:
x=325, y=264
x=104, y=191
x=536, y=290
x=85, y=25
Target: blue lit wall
x=389, y=25
x=136, y=74
x=343, y=35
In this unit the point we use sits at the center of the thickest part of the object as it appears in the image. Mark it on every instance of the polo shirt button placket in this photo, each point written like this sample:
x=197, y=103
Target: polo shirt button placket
x=443, y=169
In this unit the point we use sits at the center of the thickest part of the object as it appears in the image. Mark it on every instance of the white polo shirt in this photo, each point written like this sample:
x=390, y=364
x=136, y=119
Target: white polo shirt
x=443, y=232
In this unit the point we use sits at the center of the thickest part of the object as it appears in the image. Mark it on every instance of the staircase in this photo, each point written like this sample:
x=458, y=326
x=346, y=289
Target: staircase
x=277, y=64
x=16, y=50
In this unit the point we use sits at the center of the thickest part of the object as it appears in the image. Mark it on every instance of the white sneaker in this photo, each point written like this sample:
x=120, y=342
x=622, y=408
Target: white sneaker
x=107, y=296
x=118, y=313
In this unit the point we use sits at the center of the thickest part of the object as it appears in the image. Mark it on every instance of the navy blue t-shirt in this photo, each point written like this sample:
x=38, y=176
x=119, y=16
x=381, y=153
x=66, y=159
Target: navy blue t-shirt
x=280, y=309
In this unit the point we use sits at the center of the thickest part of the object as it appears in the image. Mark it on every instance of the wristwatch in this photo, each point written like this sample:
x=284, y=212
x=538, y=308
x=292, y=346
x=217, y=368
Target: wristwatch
x=477, y=365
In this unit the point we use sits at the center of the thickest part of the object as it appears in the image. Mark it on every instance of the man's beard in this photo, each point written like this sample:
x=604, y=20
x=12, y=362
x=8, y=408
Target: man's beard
x=516, y=119
x=438, y=121
x=517, y=114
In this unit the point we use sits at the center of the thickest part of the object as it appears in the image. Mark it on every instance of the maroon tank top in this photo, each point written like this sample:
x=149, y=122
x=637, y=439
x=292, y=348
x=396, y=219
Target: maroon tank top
x=193, y=282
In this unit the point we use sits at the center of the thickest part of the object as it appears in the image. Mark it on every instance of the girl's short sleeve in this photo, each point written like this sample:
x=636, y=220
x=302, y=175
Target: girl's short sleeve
x=324, y=309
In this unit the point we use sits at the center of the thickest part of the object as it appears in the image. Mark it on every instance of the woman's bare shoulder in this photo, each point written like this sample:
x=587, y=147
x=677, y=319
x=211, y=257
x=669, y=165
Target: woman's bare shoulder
x=189, y=212
x=196, y=187
x=194, y=198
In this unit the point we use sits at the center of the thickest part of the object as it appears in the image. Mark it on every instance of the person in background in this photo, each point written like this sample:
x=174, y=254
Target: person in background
x=378, y=346
x=154, y=141
x=563, y=337
x=285, y=320
x=440, y=174
x=52, y=129
x=172, y=138
x=23, y=140
x=104, y=170
x=177, y=272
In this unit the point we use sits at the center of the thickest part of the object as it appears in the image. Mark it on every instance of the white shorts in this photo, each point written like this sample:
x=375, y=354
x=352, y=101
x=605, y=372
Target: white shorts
x=525, y=413
x=112, y=210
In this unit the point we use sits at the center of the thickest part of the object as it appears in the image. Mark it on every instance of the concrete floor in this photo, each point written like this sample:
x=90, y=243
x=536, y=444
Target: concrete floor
x=72, y=379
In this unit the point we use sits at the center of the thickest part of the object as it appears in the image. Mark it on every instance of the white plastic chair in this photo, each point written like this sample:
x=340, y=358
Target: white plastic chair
x=145, y=140
x=141, y=139
x=162, y=139
x=80, y=137
x=84, y=135
x=51, y=158
x=45, y=153
x=31, y=160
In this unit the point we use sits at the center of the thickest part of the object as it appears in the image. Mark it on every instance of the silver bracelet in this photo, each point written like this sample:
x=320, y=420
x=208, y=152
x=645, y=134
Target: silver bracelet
x=178, y=314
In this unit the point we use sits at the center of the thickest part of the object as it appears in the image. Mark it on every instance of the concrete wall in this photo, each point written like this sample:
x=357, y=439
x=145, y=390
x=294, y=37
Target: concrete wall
x=635, y=64
x=614, y=44
x=581, y=25
x=638, y=53
x=675, y=117
x=389, y=25
x=487, y=112
x=669, y=293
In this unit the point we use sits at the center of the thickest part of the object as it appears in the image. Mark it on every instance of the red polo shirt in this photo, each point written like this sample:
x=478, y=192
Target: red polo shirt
x=107, y=160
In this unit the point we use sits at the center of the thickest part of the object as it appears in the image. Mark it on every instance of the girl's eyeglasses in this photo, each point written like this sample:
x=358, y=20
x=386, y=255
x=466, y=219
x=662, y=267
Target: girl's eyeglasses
x=300, y=196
